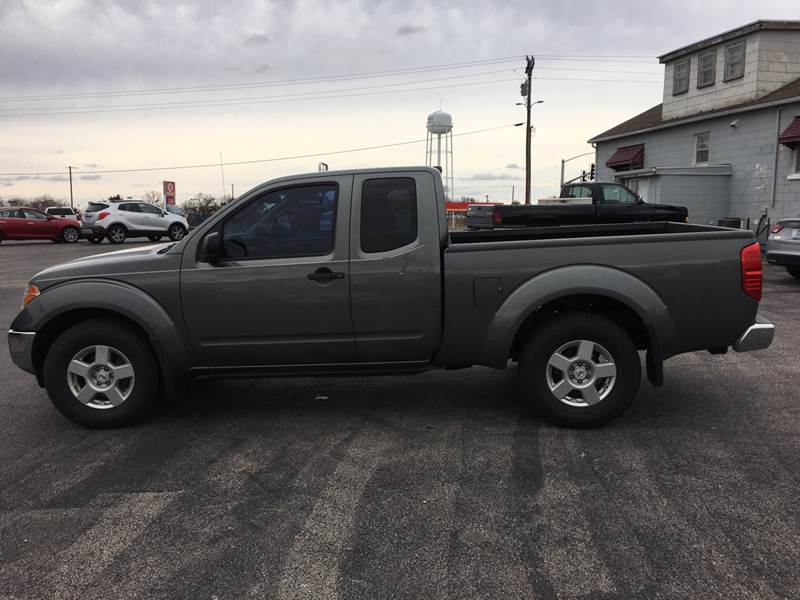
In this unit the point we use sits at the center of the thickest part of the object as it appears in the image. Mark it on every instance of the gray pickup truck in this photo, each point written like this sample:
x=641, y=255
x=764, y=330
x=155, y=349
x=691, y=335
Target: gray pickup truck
x=355, y=272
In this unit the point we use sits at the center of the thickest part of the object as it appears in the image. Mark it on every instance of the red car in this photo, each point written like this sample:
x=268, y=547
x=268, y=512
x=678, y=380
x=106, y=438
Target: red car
x=31, y=224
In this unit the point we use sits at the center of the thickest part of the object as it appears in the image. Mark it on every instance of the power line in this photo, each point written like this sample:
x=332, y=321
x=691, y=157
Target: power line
x=298, y=95
x=252, y=162
x=328, y=78
x=271, y=100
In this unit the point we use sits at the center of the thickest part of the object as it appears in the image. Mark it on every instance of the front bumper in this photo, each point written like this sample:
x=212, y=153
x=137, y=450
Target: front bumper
x=20, y=345
x=756, y=337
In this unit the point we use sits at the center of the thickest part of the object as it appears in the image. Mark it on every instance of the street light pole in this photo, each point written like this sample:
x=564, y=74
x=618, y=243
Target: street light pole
x=566, y=160
x=529, y=72
x=71, y=202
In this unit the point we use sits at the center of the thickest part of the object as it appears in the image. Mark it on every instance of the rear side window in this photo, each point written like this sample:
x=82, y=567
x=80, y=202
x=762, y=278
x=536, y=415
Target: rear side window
x=130, y=207
x=388, y=214
x=60, y=211
x=92, y=208
x=616, y=194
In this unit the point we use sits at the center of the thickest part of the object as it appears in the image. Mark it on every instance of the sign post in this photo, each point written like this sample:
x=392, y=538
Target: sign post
x=169, y=192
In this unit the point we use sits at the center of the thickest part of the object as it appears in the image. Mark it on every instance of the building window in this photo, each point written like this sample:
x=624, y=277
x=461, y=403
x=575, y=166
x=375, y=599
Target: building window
x=701, y=148
x=680, y=77
x=796, y=161
x=734, y=61
x=706, y=68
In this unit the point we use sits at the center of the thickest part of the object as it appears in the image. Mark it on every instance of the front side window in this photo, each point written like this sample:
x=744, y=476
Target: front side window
x=388, y=214
x=680, y=77
x=284, y=223
x=701, y=148
x=734, y=60
x=706, y=68
x=616, y=194
x=60, y=211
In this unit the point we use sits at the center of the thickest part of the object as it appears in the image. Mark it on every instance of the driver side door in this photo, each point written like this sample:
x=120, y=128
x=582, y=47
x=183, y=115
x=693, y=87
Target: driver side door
x=280, y=293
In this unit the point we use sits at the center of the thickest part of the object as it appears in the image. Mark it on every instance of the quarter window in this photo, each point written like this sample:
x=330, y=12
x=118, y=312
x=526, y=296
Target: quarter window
x=290, y=222
x=680, y=77
x=701, y=148
x=734, y=60
x=388, y=214
x=706, y=68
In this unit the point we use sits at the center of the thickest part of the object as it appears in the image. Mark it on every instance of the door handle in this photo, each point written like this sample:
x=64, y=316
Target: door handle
x=325, y=274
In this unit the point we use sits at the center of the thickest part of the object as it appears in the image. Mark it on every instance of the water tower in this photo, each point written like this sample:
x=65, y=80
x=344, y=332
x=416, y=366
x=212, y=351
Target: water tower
x=437, y=153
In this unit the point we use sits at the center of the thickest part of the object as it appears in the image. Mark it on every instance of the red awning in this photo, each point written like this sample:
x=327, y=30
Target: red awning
x=791, y=135
x=627, y=157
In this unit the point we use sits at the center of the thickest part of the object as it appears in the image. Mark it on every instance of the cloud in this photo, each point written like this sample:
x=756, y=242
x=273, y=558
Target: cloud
x=92, y=166
x=262, y=68
x=91, y=177
x=513, y=166
x=410, y=30
x=35, y=178
x=490, y=177
x=6, y=183
x=256, y=40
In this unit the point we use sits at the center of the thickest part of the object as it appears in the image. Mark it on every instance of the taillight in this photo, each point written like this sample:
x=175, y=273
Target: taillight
x=102, y=215
x=497, y=218
x=751, y=271
x=776, y=228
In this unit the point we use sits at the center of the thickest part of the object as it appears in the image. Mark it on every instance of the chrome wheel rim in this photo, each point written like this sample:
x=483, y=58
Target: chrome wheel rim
x=177, y=233
x=70, y=235
x=581, y=373
x=100, y=377
x=117, y=234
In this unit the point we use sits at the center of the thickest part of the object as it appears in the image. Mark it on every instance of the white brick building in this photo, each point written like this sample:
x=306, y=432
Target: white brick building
x=722, y=142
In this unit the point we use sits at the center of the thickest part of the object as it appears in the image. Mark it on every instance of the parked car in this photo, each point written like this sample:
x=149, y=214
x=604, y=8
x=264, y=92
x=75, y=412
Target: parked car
x=117, y=221
x=783, y=245
x=20, y=223
x=579, y=204
x=62, y=212
x=354, y=272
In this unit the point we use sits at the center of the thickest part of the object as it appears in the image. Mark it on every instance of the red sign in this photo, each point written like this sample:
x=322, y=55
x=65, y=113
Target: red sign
x=169, y=188
x=170, y=199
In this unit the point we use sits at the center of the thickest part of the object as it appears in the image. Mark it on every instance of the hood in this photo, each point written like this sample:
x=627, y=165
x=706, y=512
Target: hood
x=122, y=265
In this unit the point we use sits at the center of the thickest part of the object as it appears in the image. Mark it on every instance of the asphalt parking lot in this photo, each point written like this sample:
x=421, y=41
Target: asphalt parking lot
x=437, y=485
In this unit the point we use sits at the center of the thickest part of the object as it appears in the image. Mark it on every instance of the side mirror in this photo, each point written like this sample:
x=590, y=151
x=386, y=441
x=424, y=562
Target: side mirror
x=50, y=217
x=210, y=247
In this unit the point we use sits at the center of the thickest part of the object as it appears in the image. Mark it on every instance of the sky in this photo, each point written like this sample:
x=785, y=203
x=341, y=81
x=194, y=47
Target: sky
x=95, y=84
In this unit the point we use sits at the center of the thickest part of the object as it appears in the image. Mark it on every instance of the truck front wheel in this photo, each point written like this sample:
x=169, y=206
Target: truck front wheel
x=101, y=374
x=580, y=370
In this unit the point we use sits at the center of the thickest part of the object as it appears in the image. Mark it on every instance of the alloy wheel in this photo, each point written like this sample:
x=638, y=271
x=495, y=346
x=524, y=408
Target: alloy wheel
x=100, y=377
x=581, y=373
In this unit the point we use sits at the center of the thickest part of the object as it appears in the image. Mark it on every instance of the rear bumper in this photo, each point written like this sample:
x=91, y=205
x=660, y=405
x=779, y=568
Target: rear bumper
x=20, y=346
x=756, y=337
x=783, y=258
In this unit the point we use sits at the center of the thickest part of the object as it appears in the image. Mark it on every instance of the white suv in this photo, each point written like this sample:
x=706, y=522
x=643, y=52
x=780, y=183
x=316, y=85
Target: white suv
x=116, y=221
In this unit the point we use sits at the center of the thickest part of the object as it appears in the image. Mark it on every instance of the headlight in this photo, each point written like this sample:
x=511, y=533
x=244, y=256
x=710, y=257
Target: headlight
x=30, y=294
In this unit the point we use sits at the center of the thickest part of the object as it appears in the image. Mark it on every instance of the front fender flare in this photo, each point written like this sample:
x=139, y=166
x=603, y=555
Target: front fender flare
x=122, y=299
x=572, y=281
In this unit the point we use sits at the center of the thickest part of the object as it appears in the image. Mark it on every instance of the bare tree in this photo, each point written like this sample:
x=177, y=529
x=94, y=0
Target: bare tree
x=153, y=197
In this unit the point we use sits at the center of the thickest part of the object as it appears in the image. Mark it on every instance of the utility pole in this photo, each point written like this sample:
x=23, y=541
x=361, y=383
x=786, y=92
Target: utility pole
x=71, y=202
x=512, y=194
x=231, y=191
x=527, y=89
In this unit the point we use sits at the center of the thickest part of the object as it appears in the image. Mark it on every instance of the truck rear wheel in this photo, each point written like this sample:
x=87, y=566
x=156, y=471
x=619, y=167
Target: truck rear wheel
x=580, y=370
x=101, y=374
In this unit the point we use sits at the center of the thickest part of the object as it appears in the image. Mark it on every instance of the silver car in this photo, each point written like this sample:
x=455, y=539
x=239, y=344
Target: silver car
x=783, y=245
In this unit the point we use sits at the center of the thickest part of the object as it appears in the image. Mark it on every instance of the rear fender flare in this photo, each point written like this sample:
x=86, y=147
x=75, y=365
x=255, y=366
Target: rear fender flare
x=572, y=281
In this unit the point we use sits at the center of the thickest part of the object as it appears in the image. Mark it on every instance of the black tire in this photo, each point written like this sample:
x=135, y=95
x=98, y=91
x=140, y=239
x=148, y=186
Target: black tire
x=176, y=232
x=70, y=235
x=614, y=394
x=116, y=234
x=154, y=238
x=95, y=240
x=794, y=271
x=125, y=341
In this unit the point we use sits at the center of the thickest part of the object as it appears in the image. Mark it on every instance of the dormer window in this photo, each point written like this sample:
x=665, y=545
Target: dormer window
x=734, y=61
x=680, y=77
x=706, y=68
